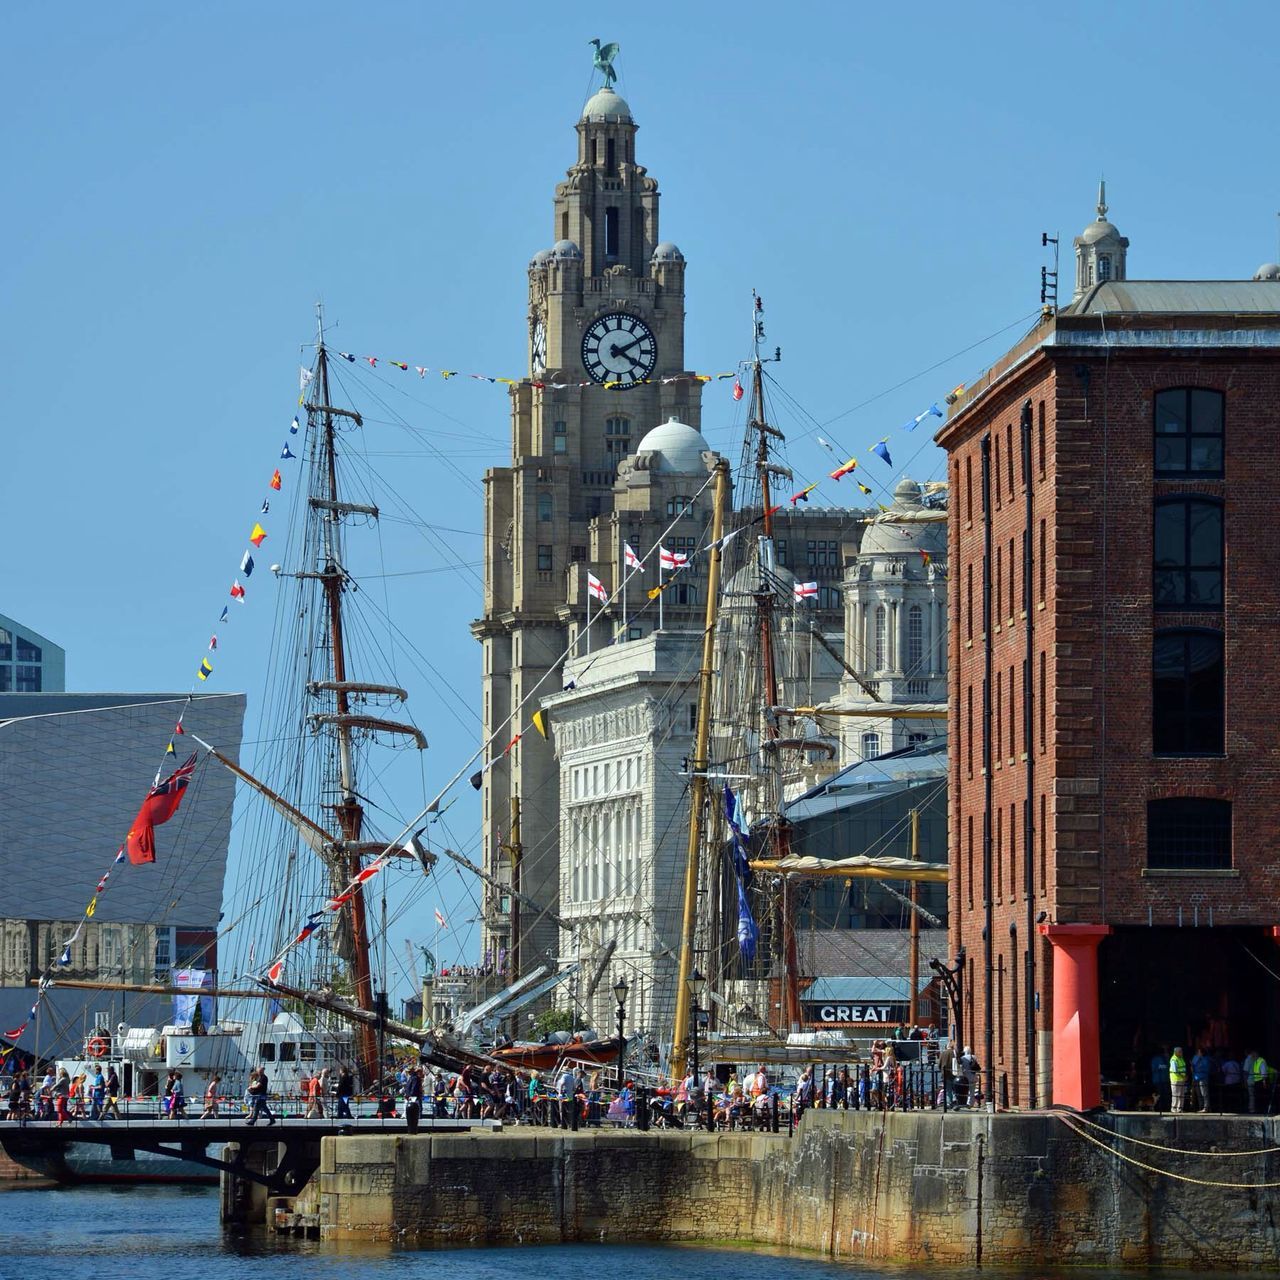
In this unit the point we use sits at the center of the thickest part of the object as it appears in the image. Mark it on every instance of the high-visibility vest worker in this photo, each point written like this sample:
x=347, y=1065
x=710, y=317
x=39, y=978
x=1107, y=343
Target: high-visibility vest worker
x=1260, y=1068
x=1177, y=1068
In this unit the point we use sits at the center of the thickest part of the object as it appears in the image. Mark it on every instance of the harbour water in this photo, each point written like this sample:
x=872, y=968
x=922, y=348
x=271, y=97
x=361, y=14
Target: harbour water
x=173, y=1233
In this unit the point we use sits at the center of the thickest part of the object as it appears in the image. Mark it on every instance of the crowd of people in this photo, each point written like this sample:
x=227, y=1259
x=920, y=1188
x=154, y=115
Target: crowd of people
x=1210, y=1079
x=60, y=1097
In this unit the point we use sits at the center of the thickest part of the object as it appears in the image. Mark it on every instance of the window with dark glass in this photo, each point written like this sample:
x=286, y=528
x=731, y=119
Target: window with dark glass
x=1188, y=693
x=617, y=436
x=1188, y=554
x=611, y=232
x=1189, y=833
x=544, y=506
x=6, y=646
x=829, y=598
x=823, y=551
x=544, y=559
x=28, y=652
x=1188, y=432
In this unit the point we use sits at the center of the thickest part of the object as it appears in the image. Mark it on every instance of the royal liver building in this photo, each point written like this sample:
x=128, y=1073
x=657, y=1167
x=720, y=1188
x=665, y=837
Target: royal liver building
x=606, y=306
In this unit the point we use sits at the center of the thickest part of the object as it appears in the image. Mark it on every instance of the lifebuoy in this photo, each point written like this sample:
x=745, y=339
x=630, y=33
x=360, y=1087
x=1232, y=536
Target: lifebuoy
x=99, y=1046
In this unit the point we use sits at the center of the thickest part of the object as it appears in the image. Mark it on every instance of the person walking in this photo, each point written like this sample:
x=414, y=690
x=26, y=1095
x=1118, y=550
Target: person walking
x=177, y=1099
x=97, y=1093
x=113, y=1095
x=1178, y=1080
x=315, y=1095
x=210, y=1111
x=346, y=1089
x=62, y=1096
x=258, y=1086
x=412, y=1091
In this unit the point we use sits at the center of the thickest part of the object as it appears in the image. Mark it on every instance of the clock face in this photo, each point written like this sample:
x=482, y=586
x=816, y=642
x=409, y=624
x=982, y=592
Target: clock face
x=539, y=347
x=619, y=348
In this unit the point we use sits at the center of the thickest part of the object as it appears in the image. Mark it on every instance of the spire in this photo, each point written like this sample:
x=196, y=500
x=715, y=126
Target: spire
x=1100, y=250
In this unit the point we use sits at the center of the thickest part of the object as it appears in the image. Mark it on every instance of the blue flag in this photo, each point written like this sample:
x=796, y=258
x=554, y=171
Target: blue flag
x=881, y=451
x=286, y=452
x=738, y=829
x=748, y=930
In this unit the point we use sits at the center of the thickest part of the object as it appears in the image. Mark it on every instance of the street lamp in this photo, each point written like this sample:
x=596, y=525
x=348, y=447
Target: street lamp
x=697, y=984
x=620, y=995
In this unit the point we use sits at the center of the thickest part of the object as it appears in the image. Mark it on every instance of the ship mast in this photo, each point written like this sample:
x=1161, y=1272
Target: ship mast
x=698, y=785
x=764, y=597
x=349, y=811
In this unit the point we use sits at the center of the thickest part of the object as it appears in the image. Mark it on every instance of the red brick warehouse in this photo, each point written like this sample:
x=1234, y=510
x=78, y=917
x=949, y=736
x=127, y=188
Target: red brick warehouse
x=1114, y=615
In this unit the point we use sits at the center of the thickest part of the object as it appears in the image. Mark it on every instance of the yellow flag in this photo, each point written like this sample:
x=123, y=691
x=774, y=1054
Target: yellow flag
x=169, y=749
x=91, y=908
x=655, y=592
x=540, y=723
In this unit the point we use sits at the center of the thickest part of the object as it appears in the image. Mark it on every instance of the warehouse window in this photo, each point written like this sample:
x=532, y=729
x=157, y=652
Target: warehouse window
x=1187, y=693
x=1188, y=432
x=1188, y=554
x=1189, y=833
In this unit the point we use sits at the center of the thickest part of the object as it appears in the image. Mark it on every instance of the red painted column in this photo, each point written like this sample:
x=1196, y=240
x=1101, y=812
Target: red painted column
x=1077, y=1069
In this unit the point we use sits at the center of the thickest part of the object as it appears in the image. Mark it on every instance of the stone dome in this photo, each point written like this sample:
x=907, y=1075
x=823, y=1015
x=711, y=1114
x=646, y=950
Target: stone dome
x=563, y=249
x=606, y=107
x=902, y=530
x=667, y=252
x=541, y=258
x=676, y=447
x=1099, y=229
x=1268, y=271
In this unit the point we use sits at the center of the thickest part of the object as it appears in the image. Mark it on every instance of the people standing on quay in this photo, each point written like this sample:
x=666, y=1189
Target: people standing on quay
x=1202, y=1074
x=411, y=1090
x=1257, y=1074
x=1178, y=1080
x=1160, y=1077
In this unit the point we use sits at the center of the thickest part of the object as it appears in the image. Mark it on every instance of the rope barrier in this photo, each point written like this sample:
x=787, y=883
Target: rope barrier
x=1164, y=1173
x=1181, y=1151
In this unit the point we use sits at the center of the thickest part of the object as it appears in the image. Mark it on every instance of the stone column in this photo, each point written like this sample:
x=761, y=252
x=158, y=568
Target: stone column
x=1077, y=1071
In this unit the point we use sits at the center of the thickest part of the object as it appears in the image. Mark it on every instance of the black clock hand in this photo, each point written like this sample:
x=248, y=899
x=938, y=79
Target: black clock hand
x=616, y=350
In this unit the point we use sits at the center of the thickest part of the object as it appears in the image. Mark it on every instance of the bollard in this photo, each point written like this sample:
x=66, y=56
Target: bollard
x=572, y=1104
x=642, y=1109
x=773, y=1117
x=711, y=1112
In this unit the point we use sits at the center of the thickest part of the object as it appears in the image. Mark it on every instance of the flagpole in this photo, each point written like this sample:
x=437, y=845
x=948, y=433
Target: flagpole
x=589, y=614
x=660, y=589
x=625, y=567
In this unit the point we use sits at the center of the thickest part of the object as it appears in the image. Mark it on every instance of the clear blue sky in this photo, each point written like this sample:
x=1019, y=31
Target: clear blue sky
x=183, y=182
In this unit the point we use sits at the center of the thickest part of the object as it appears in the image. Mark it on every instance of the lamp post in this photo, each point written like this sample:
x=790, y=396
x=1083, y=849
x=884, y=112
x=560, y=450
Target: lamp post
x=620, y=995
x=697, y=985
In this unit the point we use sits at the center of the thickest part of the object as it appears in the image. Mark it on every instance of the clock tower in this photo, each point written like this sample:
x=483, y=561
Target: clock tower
x=606, y=365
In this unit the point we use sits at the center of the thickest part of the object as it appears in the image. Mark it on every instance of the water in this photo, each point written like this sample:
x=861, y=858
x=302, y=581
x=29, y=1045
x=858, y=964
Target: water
x=173, y=1233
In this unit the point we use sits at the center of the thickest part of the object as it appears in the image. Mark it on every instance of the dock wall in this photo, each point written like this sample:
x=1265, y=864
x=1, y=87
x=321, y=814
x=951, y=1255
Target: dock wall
x=960, y=1189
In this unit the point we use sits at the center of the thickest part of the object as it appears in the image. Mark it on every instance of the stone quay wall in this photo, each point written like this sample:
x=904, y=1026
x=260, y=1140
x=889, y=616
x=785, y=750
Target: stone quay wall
x=959, y=1189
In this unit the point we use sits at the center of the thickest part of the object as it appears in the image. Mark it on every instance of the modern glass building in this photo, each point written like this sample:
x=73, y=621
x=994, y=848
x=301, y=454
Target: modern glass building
x=29, y=663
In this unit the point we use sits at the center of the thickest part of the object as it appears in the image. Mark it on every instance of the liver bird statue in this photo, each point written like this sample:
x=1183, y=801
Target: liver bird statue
x=603, y=61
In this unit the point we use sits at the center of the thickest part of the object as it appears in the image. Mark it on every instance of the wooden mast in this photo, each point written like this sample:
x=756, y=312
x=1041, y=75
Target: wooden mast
x=698, y=784
x=349, y=811
x=769, y=673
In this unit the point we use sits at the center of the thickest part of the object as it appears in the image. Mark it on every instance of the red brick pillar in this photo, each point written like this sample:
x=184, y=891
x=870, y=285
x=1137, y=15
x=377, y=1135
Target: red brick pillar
x=1077, y=1071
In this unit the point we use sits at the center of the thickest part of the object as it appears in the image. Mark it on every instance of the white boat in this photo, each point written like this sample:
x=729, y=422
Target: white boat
x=289, y=1051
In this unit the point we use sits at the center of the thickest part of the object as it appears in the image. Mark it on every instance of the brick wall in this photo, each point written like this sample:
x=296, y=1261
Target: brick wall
x=1092, y=619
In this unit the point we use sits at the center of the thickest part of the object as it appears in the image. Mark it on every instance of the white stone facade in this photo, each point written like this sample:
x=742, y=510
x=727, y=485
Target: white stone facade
x=896, y=625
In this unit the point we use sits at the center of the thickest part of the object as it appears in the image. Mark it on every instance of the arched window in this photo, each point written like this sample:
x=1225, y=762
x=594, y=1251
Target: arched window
x=880, y=623
x=1104, y=267
x=1188, y=554
x=617, y=436
x=1189, y=833
x=870, y=746
x=1188, y=431
x=1187, y=693
x=915, y=640
x=611, y=231
x=564, y=225
x=544, y=506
